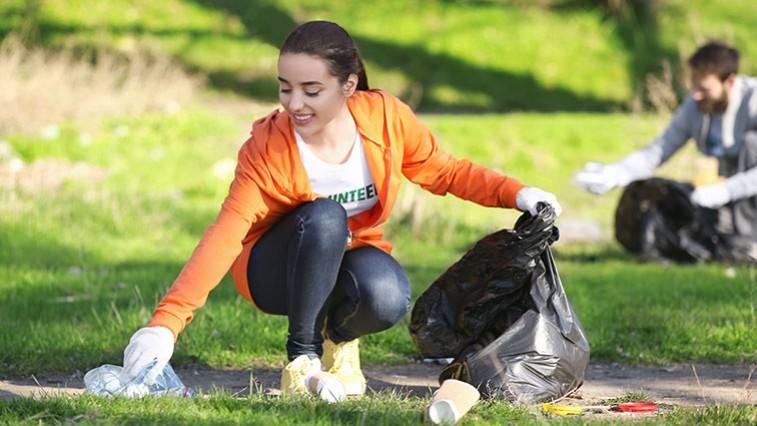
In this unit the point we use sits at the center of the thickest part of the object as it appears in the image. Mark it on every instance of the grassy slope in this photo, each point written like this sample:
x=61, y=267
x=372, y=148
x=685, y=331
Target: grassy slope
x=685, y=24
x=236, y=45
x=569, y=57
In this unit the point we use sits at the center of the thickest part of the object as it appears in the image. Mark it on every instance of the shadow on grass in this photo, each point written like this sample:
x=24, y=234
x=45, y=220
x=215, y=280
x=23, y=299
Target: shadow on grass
x=636, y=25
x=505, y=91
x=407, y=380
x=509, y=91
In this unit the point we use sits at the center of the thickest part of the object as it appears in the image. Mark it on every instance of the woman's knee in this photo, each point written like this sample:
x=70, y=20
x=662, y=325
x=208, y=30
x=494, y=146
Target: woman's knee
x=385, y=300
x=324, y=220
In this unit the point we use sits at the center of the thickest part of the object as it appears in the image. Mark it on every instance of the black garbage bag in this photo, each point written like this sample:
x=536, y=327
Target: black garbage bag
x=657, y=221
x=502, y=313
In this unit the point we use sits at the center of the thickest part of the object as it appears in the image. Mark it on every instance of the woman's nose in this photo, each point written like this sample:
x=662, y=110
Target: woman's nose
x=295, y=102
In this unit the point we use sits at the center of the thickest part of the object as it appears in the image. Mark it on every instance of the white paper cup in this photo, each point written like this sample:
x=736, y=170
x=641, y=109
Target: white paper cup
x=451, y=402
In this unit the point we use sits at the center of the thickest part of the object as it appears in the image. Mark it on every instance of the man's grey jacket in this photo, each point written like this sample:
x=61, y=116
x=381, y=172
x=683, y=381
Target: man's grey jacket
x=739, y=127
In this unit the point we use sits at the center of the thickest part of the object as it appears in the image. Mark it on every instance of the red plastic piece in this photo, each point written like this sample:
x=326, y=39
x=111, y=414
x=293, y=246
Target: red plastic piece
x=637, y=407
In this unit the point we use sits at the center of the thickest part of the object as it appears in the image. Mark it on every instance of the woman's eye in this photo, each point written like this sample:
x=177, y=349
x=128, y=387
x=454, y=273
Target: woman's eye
x=283, y=90
x=312, y=94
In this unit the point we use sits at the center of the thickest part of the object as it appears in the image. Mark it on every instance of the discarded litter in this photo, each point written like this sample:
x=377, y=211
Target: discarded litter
x=562, y=410
x=626, y=407
x=326, y=386
x=106, y=381
x=635, y=407
x=451, y=402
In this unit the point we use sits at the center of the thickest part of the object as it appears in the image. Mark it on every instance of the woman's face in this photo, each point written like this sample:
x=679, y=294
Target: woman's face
x=309, y=93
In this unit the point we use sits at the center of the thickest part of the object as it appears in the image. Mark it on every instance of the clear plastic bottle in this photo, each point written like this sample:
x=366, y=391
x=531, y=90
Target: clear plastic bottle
x=106, y=381
x=326, y=386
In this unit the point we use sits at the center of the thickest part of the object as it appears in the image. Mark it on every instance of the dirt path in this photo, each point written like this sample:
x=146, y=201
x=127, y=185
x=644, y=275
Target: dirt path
x=680, y=385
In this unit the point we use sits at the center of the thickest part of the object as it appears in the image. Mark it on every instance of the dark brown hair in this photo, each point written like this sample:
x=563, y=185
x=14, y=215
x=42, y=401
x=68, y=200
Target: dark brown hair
x=717, y=58
x=331, y=43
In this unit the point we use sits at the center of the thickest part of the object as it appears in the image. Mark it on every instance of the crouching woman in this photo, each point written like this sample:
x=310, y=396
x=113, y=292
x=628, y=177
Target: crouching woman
x=300, y=230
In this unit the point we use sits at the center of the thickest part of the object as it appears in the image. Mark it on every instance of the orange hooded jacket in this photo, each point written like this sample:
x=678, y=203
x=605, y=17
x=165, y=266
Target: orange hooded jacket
x=270, y=181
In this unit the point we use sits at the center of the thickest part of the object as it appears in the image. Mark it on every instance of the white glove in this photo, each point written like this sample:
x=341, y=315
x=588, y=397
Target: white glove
x=527, y=198
x=598, y=178
x=711, y=196
x=147, y=344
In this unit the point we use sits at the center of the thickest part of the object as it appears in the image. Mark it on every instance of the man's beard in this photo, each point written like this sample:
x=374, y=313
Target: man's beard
x=717, y=106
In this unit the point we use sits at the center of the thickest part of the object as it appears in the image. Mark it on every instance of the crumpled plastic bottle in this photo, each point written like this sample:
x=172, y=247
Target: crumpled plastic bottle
x=326, y=386
x=106, y=381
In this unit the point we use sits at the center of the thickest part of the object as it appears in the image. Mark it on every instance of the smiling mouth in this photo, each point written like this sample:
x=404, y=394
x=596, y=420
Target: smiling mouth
x=302, y=118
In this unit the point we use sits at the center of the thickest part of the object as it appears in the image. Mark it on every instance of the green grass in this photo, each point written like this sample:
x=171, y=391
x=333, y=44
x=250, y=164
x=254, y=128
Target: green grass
x=82, y=266
x=439, y=55
x=634, y=396
x=380, y=409
x=86, y=264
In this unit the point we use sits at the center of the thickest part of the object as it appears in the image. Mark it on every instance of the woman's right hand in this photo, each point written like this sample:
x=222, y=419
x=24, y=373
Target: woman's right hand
x=528, y=198
x=147, y=344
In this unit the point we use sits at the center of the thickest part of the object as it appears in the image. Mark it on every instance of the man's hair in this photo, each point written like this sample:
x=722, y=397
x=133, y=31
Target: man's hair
x=717, y=58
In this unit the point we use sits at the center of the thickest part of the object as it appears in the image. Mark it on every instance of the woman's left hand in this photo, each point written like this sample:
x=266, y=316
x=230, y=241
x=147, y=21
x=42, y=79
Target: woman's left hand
x=527, y=198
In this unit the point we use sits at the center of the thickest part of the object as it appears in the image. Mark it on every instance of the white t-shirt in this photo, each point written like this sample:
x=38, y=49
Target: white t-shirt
x=350, y=183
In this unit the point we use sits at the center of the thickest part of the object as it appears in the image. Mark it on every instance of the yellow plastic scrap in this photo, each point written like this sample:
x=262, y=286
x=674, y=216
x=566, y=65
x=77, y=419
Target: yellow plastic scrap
x=562, y=410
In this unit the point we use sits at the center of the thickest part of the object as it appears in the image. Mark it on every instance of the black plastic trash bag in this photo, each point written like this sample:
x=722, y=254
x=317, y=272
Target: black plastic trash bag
x=657, y=221
x=502, y=313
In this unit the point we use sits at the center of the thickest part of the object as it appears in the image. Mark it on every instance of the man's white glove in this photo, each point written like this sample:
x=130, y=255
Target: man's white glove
x=527, y=198
x=599, y=178
x=711, y=196
x=146, y=345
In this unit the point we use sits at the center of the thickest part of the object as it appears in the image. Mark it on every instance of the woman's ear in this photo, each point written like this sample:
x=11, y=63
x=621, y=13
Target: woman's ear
x=350, y=85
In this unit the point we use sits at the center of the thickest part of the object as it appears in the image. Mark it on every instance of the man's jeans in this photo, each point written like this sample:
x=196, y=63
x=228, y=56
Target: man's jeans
x=300, y=268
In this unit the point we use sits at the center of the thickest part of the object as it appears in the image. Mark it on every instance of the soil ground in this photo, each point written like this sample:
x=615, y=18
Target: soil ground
x=675, y=385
